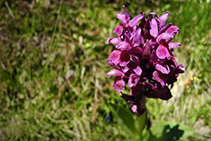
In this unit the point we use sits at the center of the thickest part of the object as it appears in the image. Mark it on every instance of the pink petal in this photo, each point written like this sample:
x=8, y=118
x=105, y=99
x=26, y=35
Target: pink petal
x=158, y=78
x=118, y=30
x=123, y=46
x=162, y=52
x=115, y=41
x=164, y=37
x=115, y=72
x=122, y=18
x=163, y=29
x=135, y=20
x=132, y=34
x=173, y=30
x=134, y=108
x=152, y=43
x=127, y=16
x=133, y=80
x=174, y=45
x=163, y=18
x=164, y=70
x=125, y=69
x=115, y=56
x=135, y=68
x=112, y=64
x=118, y=84
x=138, y=70
x=137, y=38
x=154, y=28
x=127, y=38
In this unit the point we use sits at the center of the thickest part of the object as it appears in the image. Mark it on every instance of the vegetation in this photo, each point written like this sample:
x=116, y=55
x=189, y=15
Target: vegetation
x=53, y=65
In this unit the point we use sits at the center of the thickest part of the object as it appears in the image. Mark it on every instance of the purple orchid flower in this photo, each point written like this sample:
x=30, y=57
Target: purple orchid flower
x=143, y=58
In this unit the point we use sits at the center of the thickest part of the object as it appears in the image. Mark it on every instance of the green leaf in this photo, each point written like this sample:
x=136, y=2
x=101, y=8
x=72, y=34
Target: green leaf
x=142, y=120
x=167, y=131
x=124, y=118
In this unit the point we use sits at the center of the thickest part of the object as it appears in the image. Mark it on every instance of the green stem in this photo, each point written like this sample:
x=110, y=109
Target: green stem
x=142, y=121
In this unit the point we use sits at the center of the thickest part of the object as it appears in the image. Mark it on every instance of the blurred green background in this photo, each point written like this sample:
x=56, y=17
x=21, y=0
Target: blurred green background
x=53, y=65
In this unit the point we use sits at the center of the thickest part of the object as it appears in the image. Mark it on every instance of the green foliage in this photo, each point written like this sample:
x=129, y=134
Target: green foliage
x=53, y=65
x=133, y=126
x=125, y=119
x=167, y=131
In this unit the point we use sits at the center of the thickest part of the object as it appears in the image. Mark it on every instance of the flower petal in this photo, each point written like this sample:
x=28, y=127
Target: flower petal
x=164, y=38
x=164, y=70
x=133, y=80
x=154, y=28
x=174, y=45
x=127, y=37
x=125, y=69
x=163, y=29
x=134, y=109
x=115, y=41
x=138, y=109
x=158, y=77
x=127, y=16
x=137, y=38
x=163, y=92
x=112, y=64
x=135, y=20
x=135, y=68
x=162, y=52
x=124, y=58
x=163, y=18
x=118, y=84
x=122, y=18
x=115, y=56
x=138, y=70
x=124, y=46
x=115, y=72
x=119, y=30
x=173, y=30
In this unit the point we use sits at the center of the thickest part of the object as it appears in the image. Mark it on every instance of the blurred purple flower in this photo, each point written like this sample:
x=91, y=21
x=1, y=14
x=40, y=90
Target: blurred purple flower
x=143, y=58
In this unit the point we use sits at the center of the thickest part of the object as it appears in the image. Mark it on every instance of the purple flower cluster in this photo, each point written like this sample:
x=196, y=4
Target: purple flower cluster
x=143, y=58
